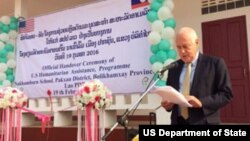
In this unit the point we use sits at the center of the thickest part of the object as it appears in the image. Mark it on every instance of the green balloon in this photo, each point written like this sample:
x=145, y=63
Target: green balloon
x=152, y=16
x=11, y=78
x=164, y=45
x=172, y=54
x=3, y=60
x=170, y=22
x=13, y=26
x=155, y=6
x=5, y=29
x=13, y=19
x=162, y=56
x=159, y=1
x=153, y=59
x=161, y=83
x=9, y=47
x=1, y=83
x=155, y=76
x=1, y=25
x=3, y=53
x=154, y=48
x=9, y=71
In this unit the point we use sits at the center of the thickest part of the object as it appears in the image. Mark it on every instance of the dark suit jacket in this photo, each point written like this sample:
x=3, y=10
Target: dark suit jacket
x=211, y=85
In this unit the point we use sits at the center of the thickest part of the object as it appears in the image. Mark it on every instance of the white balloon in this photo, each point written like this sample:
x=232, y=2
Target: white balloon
x=3, y=76
x=11, y=63
x=168, y=33
x=142, y=0
x=3, y=67
x=164, y=13
x=4, y=37
x=168, y=61
x=157, y=66
x=6, y=83
x=150, y=24
x=172, y=42
x=11, y=55
x=165, y=76
x=1, y=45
x=154, y=38
x=12, y=34
x=169, y=4
x=12, y=42
x=157, y=26
x=5, y=19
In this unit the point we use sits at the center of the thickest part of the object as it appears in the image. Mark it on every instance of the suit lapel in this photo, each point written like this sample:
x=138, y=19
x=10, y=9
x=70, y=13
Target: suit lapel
x=198, y=71
x=178, y=73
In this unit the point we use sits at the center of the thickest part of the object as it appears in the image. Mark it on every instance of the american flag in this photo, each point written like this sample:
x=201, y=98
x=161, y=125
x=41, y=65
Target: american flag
x=138, y=3
x=26, y=26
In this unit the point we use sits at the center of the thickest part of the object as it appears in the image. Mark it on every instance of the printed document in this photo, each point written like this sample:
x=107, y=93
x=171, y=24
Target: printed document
x=170, y=94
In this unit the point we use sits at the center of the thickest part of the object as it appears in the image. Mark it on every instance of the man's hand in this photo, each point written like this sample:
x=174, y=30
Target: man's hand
x=167, y=105
x=195, y=102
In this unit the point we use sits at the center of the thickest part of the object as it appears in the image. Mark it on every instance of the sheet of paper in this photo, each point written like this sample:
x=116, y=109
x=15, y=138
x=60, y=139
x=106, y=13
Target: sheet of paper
x=171, y=95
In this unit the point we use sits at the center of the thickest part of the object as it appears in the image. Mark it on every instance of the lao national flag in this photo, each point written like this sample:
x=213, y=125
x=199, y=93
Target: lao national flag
x=138, y=3
x=26, y=26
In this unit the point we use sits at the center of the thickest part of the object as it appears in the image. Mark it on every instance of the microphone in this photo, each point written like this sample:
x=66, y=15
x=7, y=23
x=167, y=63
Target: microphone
x=171, y=65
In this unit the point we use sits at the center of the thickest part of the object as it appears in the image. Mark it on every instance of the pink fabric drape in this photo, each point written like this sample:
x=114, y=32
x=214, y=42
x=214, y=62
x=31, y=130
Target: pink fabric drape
x=91, y=123
x=11, y=124
x=44, y=118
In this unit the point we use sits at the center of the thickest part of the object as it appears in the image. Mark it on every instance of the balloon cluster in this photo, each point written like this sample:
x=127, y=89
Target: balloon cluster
x=161, y=37
x=8, y=35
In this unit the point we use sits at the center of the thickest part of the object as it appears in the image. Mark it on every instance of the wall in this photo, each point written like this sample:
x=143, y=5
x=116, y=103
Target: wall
x=7, y=7
x=188, y=13
x=42, y=7
x=39, y=7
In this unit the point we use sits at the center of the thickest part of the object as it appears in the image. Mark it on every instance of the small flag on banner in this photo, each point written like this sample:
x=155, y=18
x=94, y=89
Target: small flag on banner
x=26, y=26
x=138, y=3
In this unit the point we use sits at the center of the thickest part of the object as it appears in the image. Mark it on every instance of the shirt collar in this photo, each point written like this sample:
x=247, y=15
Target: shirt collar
x=194, y=62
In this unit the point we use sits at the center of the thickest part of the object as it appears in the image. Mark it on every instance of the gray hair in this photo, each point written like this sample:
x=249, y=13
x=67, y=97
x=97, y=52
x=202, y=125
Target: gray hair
x=190, y=32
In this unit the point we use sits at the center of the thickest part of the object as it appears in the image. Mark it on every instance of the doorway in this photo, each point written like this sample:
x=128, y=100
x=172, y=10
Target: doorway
x=227, y=38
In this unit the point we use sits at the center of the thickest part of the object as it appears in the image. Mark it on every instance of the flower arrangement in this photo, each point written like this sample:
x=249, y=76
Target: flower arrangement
x=12, y=97
x=93, y=93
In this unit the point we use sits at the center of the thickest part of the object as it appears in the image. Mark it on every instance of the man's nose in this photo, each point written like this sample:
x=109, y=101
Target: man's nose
x=182, y=50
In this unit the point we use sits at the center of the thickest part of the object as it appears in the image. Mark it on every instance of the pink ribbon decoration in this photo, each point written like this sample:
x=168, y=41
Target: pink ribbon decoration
x=91, y=123
x=79, y=127
x=44, y=118
x=10, y=124
x=6, y=124
x=10, y=119
x=18, y=130
x=2, y=121
x=10, y=130
x=101, y=123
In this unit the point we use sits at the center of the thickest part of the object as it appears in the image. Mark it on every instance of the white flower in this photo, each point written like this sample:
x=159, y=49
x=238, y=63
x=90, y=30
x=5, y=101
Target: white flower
x=93, y=93
x=12, y=97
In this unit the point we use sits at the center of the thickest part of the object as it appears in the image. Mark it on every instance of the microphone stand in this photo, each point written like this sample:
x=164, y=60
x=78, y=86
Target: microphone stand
x=123, y=120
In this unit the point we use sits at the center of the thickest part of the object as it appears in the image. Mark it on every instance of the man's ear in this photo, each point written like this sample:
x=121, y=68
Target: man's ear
x=197, y=41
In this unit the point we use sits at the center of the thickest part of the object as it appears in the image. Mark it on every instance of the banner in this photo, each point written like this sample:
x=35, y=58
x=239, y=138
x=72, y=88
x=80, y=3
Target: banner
x=105, y=40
